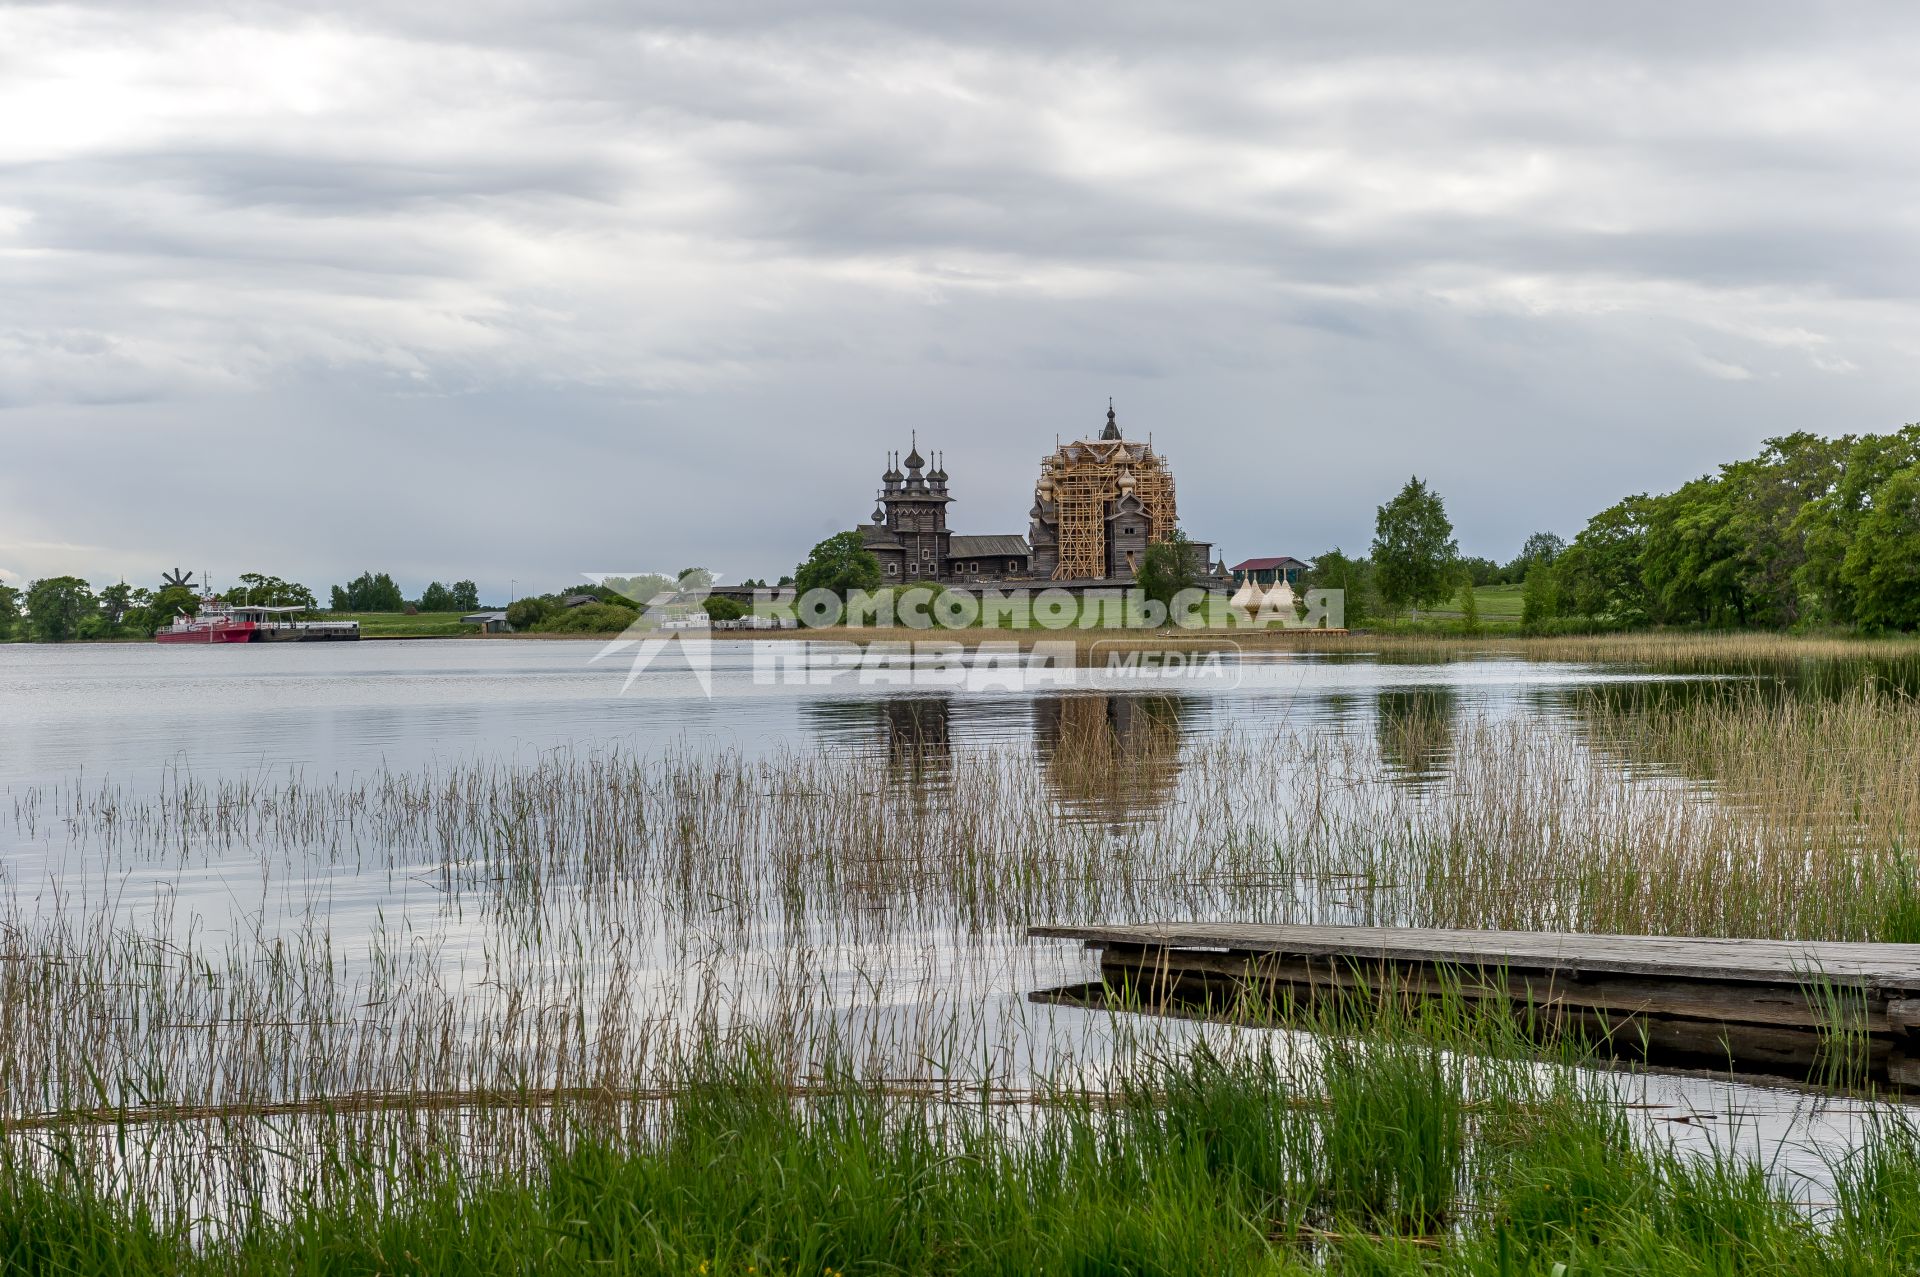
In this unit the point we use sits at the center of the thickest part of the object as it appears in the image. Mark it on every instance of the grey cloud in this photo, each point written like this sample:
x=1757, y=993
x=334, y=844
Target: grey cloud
x=696, y=266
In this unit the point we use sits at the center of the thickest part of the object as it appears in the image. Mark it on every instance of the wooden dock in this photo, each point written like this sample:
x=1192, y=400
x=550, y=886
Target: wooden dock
x=1766, y=1006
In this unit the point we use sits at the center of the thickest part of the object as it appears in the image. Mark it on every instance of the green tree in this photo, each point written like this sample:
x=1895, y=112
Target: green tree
x=115, y=602
x=1599, y=575
x=525, y=614
x=369, y=592
x=638, y=590
x=1334, y=570
x=1828, y=522
x=723, y=609
x=1540, y=595
x=175, y=600
x=588, y=618
x=9, y=611
x=841, y=563
x=1482, y=571
x=1469, y=607
x=1691, y=562
x=1541, y=547
x=466, y=596
x=56, y=606
x=436, y=598
x=1882, y=566
x=1413, y=548
x=1767, y=497
x=262, y=590
x=1732, y=548
x=1166, y=568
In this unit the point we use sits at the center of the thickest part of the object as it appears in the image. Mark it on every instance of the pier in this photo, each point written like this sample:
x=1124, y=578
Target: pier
x=1760, y=1006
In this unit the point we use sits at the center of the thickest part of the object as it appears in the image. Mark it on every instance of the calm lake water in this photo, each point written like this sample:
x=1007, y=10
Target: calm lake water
x=127, y=711
x=138, y=716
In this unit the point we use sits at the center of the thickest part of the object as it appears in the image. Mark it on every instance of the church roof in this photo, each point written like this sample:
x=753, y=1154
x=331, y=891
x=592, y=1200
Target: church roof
x=1267, y=565
x=875, y=535
x=987, y=547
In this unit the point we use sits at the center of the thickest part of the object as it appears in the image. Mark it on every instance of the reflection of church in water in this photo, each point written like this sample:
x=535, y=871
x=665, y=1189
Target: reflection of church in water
x=1104, y=757
x=1108, y=757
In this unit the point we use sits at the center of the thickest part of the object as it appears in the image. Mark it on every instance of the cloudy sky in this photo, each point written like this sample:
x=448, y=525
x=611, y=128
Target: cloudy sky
x=509, y=291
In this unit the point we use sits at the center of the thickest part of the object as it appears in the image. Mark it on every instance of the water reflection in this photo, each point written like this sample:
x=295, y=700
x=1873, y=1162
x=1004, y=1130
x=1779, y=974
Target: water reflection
x=1110, y=757
x=911, y=736
x=919, y=737
x=1414, y=727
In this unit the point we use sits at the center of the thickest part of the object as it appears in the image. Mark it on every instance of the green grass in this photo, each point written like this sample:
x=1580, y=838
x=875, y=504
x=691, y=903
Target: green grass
x=400, y=625
x=1498, y=602
x=1386, y=1154
x=1499, y=607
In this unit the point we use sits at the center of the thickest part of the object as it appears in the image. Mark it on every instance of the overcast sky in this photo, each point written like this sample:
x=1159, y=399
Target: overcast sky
x=508, y=292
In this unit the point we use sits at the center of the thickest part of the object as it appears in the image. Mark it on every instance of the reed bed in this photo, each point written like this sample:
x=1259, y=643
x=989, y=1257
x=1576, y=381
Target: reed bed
x=1712, y=650
x=222, y=998
x=558, y=915
x=1706, y=650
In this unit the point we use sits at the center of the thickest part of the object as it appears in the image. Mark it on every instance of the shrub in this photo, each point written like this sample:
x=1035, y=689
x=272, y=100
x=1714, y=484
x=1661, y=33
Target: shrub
x=588, y=618
x=525, y=614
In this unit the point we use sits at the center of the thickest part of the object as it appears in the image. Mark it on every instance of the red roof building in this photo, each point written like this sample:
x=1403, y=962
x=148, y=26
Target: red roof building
x=1267, y=571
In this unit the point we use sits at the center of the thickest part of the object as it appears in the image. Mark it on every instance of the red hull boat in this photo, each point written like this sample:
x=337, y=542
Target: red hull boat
x=213, y=630
x=221, y=622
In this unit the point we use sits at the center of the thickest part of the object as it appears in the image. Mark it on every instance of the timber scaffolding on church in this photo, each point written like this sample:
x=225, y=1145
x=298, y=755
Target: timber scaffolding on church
x=1085, y=480
x=1767, y=1007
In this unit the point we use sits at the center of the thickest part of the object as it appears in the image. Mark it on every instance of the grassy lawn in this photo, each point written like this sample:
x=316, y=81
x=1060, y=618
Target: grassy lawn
x=1498, y=602
x=400, y=625
x=1499, y=607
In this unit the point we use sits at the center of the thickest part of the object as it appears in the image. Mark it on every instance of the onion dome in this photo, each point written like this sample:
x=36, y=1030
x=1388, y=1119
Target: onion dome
x=1113, y=427
x=915, y=461
x=893, y=474
x=1247, y=597
x=879, y=516
x=1125, y=481
x=939, y=472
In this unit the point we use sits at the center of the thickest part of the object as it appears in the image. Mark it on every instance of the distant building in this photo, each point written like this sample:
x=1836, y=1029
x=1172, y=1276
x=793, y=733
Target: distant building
x=489, y=622
x=1098, y=505
x=1269, y=570
x=910, y=537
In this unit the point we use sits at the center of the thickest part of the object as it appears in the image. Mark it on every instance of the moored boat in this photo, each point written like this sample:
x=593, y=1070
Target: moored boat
x=221, y=622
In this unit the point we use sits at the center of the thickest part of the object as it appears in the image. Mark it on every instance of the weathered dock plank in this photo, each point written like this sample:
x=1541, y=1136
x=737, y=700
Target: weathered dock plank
x=1883, y=967
x=1769, y=1005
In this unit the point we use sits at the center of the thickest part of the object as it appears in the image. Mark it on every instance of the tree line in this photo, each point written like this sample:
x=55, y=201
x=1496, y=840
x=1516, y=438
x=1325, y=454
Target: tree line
x=1813, y=531
x=376, y=592
x=615, y=603
x=60, y=608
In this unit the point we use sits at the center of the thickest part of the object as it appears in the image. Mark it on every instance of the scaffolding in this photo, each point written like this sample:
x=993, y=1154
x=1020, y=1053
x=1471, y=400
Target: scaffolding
x=1082, y=480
